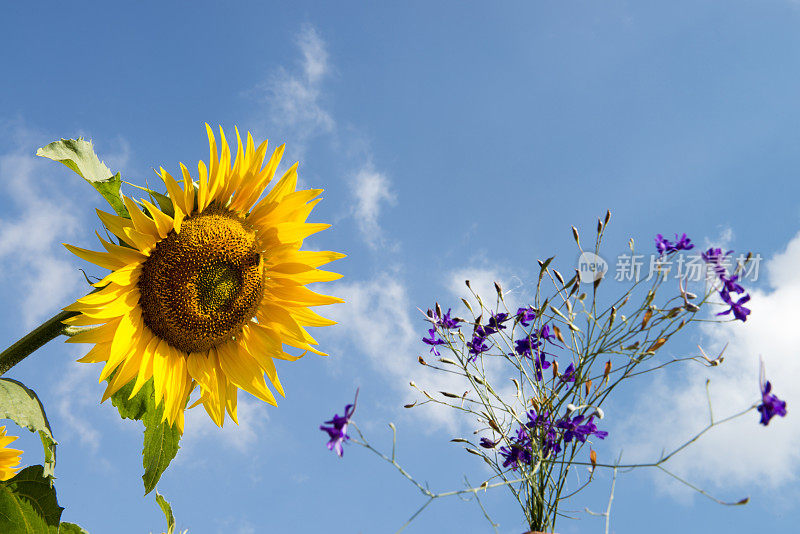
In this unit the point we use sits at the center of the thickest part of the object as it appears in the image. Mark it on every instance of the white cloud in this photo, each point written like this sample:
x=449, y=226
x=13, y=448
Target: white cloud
x=295, y=111
x=30, y=236
x=371, y=189
x=253, y=417
x=293, y=97
x=741, y=453
x=73, y=398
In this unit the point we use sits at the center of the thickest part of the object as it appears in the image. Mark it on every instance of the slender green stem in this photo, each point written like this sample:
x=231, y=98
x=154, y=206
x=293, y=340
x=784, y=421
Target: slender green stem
x=43, y=333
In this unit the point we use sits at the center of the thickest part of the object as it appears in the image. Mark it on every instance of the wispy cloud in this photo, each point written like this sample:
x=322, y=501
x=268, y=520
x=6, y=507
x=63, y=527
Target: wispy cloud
x=253, y=418
x=742, y=452
x=293, y=96
x=74, y=400
x=36, y=219
x=371, y=189
x=295, y=111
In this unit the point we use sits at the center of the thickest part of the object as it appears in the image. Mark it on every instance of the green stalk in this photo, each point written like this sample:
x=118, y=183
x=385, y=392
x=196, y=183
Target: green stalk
x=47, y=331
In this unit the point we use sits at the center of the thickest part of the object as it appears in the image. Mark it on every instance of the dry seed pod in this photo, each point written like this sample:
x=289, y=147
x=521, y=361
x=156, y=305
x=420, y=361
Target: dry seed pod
x=588, y=386
x=421, y=361
x=559, y=336
x=647, y=315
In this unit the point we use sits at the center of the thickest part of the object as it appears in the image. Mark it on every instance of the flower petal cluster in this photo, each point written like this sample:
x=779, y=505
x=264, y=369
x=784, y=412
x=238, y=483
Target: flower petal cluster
x=433, y=341
x=443, y=320
x=524, y=315
x=770, y=405
x=715, y=258
x=207, y=287
x=664, y=246
x=337, y=431
x=575, y=428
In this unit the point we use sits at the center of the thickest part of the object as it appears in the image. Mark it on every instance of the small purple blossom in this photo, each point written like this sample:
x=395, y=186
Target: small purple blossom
x=433, y=341
x=443, y=321
x=683, y=243
x=526, y=346
x=573, y=429
x=496, y=322
x=477, y=346
x=770, y=404
x=525, y=314
x=738, y=309
x=545, y=431
x=519, y=450
x=665, y=246
x=569, y=374
x=486, y=443
x=338, y=429
x=544, y=333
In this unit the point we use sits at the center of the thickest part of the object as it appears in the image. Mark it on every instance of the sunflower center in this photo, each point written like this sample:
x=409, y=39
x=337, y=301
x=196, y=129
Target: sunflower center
x=198, y=288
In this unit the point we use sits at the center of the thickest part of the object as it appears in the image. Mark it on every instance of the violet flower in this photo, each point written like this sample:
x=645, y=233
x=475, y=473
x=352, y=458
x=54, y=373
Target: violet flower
x=738, y=309
x=569, y=374
x=338, y=429
x=433, y=341
x=770, y=404
x=444, y=321
x=524, y=315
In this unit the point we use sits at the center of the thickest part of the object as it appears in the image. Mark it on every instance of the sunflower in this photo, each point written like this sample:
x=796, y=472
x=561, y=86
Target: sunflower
x=208, y=290
x=9, y=458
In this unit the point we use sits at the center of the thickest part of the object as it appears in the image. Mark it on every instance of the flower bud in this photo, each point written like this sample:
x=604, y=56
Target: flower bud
x=575, y=236
x=571, y=408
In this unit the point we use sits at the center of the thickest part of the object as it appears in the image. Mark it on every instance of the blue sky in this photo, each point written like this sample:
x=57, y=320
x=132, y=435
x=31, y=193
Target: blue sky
x=454, y=141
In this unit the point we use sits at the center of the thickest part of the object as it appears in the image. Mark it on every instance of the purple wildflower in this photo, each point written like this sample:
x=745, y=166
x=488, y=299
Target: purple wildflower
x=519, y=450
x=770, y=404
x=545, y=432
x=496, y=322
x=444, y=321
x=526, y=346
x=338, y=429
x=486, y=443
x=665, y=246
x=662, y=245
x=525, y=314
x=569, y=374
x=731, y=285
x=738, y=309
x=683, y=243
x=477, y=346
x=573, y=429
x=544, y=333
x=433, y=341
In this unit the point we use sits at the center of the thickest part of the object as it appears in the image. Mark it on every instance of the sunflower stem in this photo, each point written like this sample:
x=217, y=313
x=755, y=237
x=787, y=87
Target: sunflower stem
x=47, y=331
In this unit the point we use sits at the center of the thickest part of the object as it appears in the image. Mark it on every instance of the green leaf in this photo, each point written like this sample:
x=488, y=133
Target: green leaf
x=70, y=528
x=22, y=406
x=167, y=509
x=160, y=439
x=78, y=155
x=28, y=503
